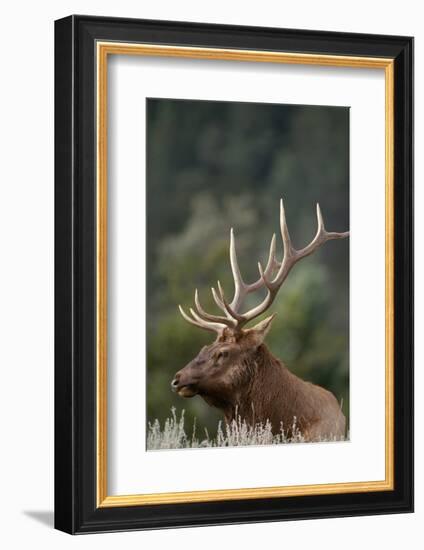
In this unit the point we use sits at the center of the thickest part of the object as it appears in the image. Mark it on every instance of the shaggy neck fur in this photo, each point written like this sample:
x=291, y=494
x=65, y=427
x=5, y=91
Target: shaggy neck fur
x=262, y=389
x=257, y=386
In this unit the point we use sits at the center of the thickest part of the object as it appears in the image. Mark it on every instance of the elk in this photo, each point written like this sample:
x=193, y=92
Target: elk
x=238, y=374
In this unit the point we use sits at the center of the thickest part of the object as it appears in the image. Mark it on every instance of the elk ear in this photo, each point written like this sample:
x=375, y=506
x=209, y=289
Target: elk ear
x=259, y=331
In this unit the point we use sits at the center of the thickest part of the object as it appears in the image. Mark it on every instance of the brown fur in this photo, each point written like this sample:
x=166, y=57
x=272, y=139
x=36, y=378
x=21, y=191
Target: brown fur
x=241, y=377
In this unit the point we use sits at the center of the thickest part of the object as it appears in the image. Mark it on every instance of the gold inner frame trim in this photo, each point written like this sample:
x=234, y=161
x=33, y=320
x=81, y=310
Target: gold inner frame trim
x=103, y=50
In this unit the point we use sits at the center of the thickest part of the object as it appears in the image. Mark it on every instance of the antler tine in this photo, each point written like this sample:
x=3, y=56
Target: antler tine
x=285, y=235
x=211, y=327
x=241, y=289
x=239, y=286
x=272, y=260
x=217, y=299
x=214, y=326
x=329, y=234
x=208, y=317
x=229, y=310
x=222, y=304
x=321, y=237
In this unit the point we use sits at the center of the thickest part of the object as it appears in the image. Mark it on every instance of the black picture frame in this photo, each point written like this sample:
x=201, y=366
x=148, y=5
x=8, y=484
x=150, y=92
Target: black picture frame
x=76, y=509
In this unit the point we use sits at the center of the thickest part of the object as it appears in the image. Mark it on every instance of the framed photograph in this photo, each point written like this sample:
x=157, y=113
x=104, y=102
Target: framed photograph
x=234, y=268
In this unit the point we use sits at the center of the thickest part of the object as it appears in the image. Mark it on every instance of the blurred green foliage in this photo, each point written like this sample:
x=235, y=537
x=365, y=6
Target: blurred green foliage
x=216, y=165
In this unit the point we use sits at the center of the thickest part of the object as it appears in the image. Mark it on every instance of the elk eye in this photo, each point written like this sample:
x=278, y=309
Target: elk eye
x=222, y=355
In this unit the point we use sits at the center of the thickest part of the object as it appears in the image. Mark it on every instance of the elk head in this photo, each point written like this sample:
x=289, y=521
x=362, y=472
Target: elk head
x=222, y=370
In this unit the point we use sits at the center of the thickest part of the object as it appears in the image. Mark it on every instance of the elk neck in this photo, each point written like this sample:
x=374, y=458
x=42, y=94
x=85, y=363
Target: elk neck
x=264, y=380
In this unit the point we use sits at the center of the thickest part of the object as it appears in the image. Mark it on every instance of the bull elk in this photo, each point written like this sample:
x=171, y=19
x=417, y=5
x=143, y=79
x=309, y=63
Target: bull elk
x=238, y=374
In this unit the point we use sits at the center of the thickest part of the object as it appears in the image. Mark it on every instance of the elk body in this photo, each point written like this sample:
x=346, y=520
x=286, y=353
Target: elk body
x=238, y=374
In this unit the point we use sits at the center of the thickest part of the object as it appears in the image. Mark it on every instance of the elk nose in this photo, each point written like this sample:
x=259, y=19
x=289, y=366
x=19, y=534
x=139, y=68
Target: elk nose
x=175, y=382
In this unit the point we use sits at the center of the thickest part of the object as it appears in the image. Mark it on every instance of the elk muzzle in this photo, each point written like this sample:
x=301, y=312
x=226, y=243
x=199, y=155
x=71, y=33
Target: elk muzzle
x=184, y=384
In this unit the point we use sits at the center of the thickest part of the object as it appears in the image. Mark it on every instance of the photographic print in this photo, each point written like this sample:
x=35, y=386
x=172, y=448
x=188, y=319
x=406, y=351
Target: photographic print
x=247, y=274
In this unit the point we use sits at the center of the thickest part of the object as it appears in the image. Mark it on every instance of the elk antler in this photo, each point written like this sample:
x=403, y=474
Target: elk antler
x=233, y=318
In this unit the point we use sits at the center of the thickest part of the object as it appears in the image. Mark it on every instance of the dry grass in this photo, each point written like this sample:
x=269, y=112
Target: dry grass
x=172, y=435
